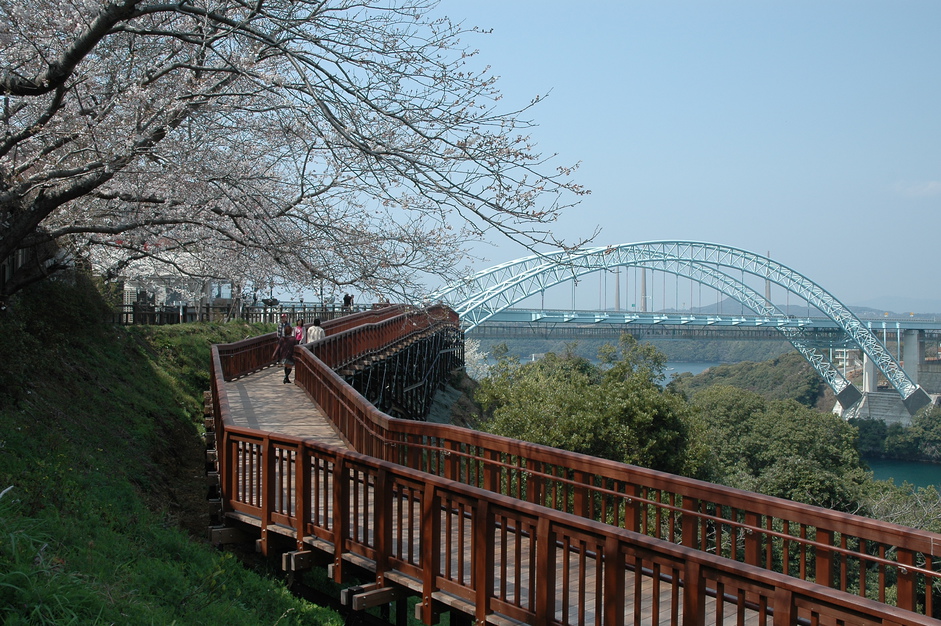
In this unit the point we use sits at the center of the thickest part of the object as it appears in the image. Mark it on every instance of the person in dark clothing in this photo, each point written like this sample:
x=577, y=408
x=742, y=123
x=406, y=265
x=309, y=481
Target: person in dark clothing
x=284, y=352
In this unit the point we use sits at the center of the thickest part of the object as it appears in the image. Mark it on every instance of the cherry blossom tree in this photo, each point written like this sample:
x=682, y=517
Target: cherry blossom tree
x=268, y=142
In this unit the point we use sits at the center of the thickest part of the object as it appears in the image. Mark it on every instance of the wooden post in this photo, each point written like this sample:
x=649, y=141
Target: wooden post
x=823, y=572
x=614, y=600
x=383, y=513
x=302, y=499
x=534, y=482
x=229, y=465
x=492, y=472
x=545, y=571
x=414, y=455
x=784, y=610
x=450, y=460
x=694, y=596
x=268, y=476
x=341, y=512
x=752, y=539
x=483, y=560
x=906, y=580
x=582, y=496
x=430, y=550
x=690, y=522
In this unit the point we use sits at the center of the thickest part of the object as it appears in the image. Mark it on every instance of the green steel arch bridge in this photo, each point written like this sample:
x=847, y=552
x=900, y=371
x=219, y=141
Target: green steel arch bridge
x=492, y=295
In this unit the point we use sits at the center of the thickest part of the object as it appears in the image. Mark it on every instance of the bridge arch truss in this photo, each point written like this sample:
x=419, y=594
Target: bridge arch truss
x=479, y=297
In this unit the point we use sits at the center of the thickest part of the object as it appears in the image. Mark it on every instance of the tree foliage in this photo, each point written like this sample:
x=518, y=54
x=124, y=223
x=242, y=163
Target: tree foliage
x=692, y=350
x=920, y=440
x=788, y=376
x=903, y=504
x=737, y=437
x=284, y=141
x=781, y=448
x=615, y=411
x=872, y=434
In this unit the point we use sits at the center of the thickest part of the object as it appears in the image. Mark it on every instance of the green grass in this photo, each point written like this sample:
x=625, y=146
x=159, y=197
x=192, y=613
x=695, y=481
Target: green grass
x=103, y=500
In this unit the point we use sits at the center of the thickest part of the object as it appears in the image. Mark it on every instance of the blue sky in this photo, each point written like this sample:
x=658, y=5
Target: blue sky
x=810, y=130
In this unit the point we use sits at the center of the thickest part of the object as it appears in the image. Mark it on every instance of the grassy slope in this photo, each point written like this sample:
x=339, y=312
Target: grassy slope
x=102, y=468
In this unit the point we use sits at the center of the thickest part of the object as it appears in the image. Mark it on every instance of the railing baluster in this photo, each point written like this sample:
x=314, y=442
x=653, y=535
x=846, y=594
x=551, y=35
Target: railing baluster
x=802, y=551
x=863, y=567
x=929, y=587
x=565, y=553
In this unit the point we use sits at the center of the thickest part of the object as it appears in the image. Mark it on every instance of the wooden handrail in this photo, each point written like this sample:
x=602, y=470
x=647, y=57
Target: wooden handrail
x=754, y=532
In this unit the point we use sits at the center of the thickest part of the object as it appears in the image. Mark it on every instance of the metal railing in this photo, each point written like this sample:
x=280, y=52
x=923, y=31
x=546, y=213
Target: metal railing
x=578, y=523
x=143, y=313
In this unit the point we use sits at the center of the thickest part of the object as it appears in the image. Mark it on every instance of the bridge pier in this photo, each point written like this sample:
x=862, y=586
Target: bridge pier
x=402, y=380
x=913, y=353
x=870, y=374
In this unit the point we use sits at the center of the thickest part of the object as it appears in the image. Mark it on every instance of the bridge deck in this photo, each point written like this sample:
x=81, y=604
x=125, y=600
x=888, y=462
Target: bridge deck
x=262, y=401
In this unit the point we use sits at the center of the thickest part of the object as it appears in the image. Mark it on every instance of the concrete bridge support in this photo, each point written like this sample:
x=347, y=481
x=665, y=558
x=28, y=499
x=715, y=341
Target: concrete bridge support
x=870, y=374
x=913, y=353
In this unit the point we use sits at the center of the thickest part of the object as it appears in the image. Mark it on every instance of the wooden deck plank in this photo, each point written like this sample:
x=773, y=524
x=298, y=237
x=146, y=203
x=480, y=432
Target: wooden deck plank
x=261, y=400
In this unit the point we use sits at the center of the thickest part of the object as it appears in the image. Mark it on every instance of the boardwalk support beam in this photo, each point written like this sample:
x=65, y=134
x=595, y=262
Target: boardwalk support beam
x=219, y=535
x=297, y=560
x=433, y=612
x=362, y=597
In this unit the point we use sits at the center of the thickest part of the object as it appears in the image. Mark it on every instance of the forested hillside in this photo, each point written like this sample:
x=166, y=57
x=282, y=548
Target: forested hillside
x=102, y=473
x=700, y=351
x=787, y=377
x=751, y=426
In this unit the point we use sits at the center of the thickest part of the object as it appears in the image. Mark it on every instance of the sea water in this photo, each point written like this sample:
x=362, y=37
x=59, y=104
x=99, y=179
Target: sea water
x=917, y=473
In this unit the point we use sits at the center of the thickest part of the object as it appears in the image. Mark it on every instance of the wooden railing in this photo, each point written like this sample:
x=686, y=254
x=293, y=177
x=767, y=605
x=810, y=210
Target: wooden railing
x=520, y=503
x=251, y=355
x=143, y=313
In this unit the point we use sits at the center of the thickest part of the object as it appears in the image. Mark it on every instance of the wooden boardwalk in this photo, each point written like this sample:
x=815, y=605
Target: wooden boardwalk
x=262, y=401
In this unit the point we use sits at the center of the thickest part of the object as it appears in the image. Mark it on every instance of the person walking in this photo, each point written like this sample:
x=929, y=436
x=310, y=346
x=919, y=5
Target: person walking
x=284, y=352
x=315, y=332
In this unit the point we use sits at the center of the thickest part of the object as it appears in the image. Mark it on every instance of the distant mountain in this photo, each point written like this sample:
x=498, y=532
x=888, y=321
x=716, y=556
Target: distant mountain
x=902, y=307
